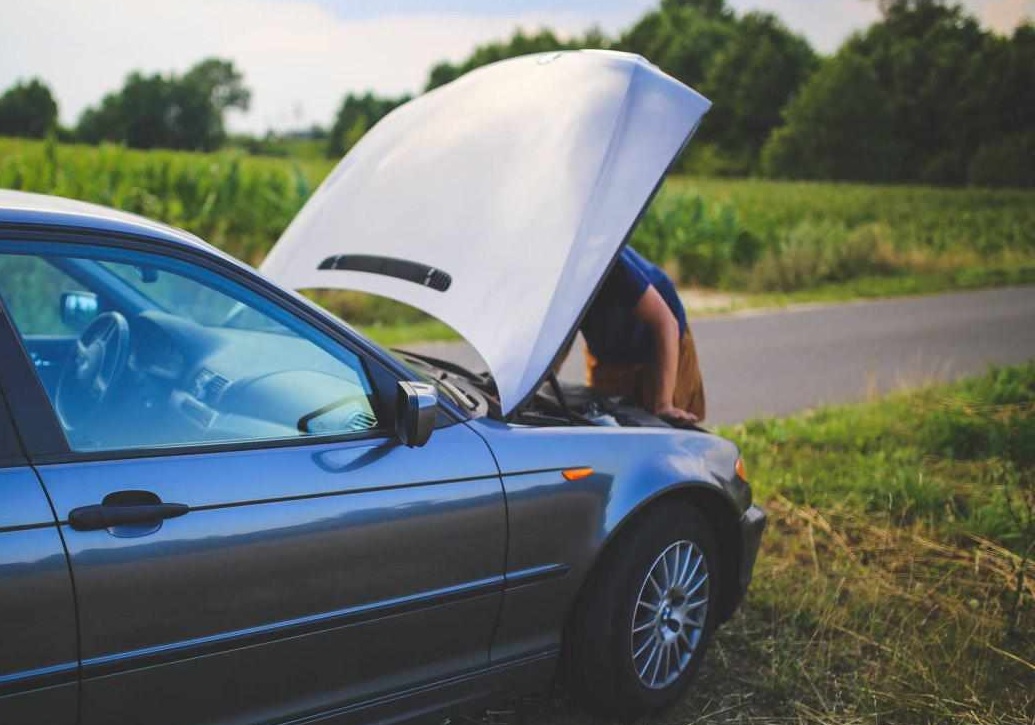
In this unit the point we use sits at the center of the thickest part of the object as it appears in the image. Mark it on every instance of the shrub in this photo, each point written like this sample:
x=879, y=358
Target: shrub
x=838, y=127
x=704, y=241
x=993, y=416
x=1006, y=162
x=814, y=253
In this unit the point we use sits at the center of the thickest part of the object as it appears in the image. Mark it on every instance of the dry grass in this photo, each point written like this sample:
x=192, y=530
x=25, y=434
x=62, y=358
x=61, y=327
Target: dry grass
x=855, y=622
x=877, y=601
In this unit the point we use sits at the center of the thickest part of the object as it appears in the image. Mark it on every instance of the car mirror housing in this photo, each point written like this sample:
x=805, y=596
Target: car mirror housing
x=78, y=309
x=416, y=411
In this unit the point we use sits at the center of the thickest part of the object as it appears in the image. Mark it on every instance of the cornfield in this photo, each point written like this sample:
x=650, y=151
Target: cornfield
x=730, y=234
x=239, y=203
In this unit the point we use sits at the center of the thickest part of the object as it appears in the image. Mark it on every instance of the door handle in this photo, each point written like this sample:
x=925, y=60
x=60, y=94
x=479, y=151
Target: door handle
x=124, y=508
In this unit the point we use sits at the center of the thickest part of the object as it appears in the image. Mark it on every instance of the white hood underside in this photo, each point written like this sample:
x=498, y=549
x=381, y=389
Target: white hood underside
x=510, y=190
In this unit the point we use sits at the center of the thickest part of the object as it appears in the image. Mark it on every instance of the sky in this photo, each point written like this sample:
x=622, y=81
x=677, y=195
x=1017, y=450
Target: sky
x=300, y=57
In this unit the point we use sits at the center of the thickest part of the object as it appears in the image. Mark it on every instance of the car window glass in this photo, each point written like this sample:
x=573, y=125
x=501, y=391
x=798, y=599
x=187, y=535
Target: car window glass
x=31, y=290
x=181, y=296
x=179, y=355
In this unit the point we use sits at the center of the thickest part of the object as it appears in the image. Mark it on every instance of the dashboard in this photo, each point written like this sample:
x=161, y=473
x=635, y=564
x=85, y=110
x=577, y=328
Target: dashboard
x=206, y=384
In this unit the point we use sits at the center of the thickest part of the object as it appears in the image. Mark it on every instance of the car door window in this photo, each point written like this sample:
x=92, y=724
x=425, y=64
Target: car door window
x=172, y=354
x=26, y=284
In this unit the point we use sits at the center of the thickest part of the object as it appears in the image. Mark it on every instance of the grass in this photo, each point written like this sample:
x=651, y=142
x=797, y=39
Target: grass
x=766, y=236
x=943, y=219
x=895, y=582
x=770, y=243
x=864, y=288
x=402, y=333
x=239, y=203
x=396, y=331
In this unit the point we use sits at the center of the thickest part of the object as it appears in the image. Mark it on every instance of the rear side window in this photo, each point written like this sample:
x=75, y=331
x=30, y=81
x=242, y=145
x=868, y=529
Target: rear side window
x=139, y=351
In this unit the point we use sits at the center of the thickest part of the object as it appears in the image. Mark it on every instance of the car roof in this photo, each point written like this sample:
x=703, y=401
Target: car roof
x=26, y=209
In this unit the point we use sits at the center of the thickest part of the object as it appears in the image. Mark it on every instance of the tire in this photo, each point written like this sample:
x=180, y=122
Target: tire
x=606, y=661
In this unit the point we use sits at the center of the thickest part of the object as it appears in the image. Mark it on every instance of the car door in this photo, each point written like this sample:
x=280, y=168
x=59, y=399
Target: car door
x=38, y=657
x=274, y=569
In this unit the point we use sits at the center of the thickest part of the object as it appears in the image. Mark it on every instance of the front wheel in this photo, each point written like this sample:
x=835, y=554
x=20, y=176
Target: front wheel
x=646, y=616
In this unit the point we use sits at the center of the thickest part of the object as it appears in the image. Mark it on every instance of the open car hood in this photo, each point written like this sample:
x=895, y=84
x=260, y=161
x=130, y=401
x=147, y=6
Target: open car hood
x=498, y=202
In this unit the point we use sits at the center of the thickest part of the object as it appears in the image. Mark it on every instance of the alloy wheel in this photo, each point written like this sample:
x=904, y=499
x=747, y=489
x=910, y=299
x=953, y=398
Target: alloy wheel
x=669, y=616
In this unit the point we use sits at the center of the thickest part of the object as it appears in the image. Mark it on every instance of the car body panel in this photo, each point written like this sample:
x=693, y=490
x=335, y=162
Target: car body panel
x=19, y=208
x=354, y=581
x=11, y=453
x=497, y=202
x=555, y=523
x=320, y=575
x=38, y=657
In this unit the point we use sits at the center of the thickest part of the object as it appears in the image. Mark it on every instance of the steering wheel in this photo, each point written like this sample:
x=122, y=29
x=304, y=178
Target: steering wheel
x=101, y=355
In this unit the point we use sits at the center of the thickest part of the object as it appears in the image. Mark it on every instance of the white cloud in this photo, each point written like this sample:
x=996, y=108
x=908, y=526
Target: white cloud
x=300, y=56
x=1003, y=15
x=826, y=23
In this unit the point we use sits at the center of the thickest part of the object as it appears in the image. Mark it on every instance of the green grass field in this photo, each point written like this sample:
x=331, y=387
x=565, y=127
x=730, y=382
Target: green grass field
x=771, y=242
x=896, y=580
x=239, y=203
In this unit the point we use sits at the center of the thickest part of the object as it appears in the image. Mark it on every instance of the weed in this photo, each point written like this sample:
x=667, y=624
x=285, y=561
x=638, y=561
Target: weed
x=895, y=583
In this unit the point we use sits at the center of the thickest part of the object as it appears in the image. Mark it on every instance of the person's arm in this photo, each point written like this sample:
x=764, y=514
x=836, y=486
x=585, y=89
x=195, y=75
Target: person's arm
x=664, y=326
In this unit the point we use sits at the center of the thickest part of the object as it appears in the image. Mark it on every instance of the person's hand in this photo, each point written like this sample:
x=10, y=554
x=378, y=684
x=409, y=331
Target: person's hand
x=676, y=416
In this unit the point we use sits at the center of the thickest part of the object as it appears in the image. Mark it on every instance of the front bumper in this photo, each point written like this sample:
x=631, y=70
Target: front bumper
x=751, y=525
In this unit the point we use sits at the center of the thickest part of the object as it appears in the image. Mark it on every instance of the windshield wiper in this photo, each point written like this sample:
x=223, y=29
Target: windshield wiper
x=449, y=367
x=460, y=396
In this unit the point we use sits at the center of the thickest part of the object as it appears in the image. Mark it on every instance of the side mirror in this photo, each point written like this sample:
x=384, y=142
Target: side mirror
x=416, y=411
x=78, y=309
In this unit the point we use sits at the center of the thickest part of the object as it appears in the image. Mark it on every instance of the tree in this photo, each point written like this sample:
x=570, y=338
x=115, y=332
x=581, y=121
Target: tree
x=1001, y=111
x=839, y=127
x=682, y=37
x=750, y=80
x=358, y=113
x=519, y=43
x=28, y=109
x=747, y=68
x=930, y=58
x=925, y=95
x=169, y=111
x=106, y=122
x=711, y=8
x=750, y=67
x=202, y=98
x=355, y=117
x=147, y=113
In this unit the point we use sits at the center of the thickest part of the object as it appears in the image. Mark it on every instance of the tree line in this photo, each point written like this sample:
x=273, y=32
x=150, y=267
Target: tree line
x=924, y=95
x=149, y=111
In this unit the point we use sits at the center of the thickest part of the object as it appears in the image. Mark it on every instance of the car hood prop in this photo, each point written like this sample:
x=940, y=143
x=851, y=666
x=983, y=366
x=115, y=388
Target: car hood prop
x=498, y=202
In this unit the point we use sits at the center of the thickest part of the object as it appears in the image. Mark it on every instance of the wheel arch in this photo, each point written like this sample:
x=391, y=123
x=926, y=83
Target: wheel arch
x=716, y=507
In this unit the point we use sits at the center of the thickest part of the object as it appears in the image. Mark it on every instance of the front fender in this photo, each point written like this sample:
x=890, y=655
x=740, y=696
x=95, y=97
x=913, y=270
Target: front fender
x=558, y=529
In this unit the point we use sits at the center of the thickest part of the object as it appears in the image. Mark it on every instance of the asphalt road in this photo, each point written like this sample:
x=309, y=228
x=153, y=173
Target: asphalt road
x=779, y=362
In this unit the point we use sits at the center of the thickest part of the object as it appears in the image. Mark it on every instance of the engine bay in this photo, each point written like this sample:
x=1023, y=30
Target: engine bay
x=555, y=403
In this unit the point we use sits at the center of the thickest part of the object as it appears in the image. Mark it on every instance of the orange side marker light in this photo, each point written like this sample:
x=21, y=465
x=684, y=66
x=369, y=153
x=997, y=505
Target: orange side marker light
x=739, y=467
x=574, y=474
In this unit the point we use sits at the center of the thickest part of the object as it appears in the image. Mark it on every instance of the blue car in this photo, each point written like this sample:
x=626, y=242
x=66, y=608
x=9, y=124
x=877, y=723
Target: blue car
x=220, y=503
